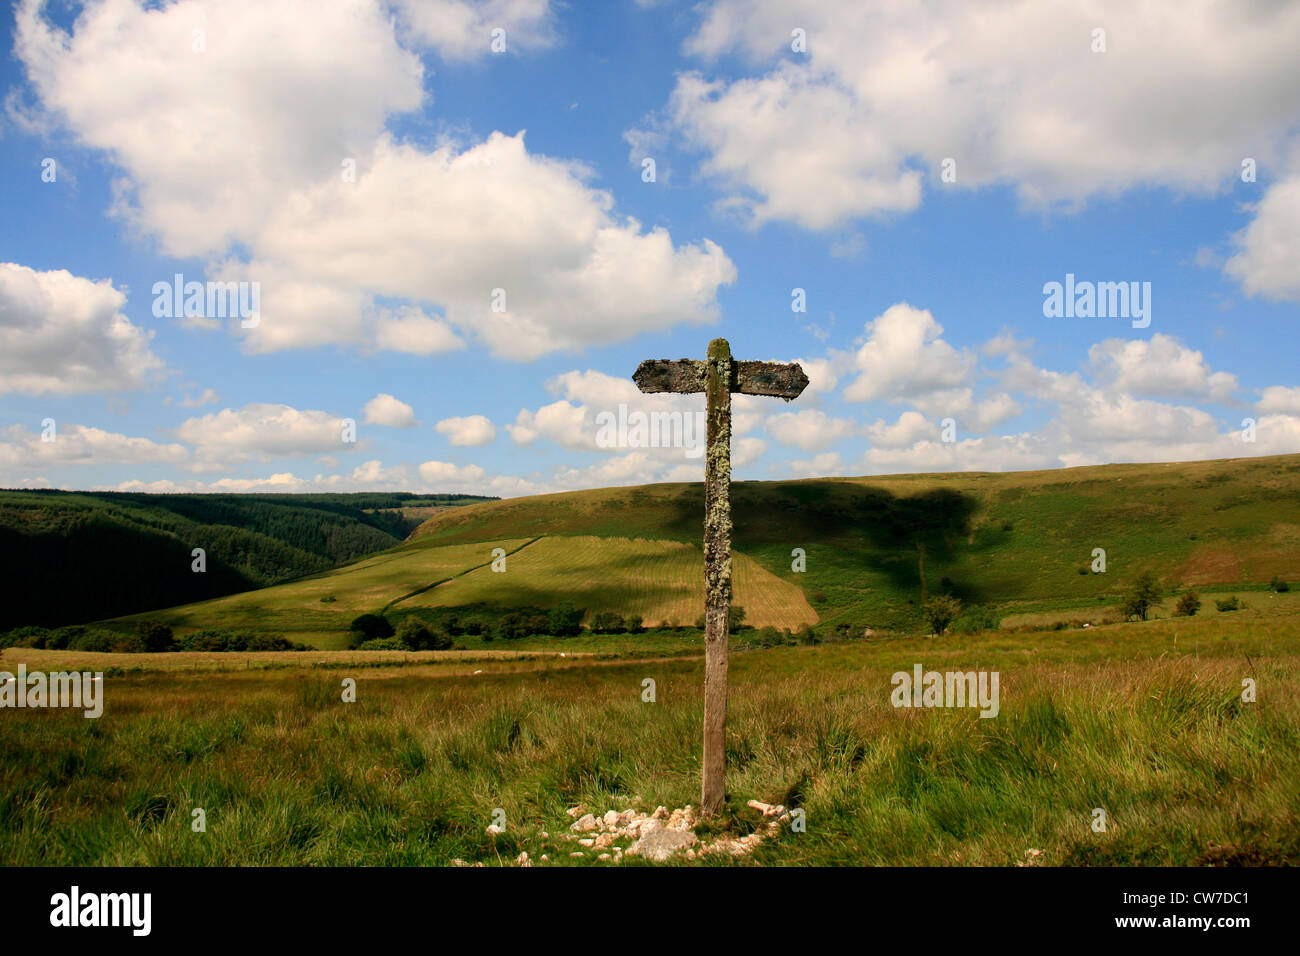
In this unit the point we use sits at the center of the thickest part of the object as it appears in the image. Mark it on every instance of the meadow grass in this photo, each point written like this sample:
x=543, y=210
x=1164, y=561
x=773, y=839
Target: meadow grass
x=1144, y=720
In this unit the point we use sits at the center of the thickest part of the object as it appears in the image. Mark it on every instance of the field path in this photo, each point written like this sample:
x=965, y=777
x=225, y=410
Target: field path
x=430, y=587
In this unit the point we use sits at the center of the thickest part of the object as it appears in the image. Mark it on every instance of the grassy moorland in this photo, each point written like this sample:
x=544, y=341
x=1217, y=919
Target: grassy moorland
x=1145, y=720
x=1021, y=544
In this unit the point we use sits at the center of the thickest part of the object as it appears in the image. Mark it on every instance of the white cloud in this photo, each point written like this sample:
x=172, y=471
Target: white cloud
x=910, y=428
x=1280, y=398
x=208, y=397
x=988, y=453
x=469, y=431
x=242, y=147
x=462, y=29
x=261, y=432
x=905, y=358
x=571, y=421
x=410, y=330
x=1268, y=259
x=746, y=451
x=282, y=93
x=65, y=335
x=1160, y=366
x=452, y=227
x=83, y=445
x=384, y=409
x=827, y=464
x=810, y=429
x=886, y=92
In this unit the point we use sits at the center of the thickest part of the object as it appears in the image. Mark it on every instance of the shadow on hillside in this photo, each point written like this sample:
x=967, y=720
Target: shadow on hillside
x=890, y=533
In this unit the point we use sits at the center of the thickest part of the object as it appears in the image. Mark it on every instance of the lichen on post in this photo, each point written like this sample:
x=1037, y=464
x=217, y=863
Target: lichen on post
x=717, y=571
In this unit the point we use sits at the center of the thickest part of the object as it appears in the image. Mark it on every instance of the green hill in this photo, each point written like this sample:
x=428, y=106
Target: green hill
x=71, y=557
x=1022, y=543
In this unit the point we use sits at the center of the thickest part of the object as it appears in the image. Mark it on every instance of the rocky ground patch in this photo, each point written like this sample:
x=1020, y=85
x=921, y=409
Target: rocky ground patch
x=658, y=836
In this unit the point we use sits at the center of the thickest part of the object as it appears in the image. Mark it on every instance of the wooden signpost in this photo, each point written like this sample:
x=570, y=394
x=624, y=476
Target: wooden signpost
x=717, y=377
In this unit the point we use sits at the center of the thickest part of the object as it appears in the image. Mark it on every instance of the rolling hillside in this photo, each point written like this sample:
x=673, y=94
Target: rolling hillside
x=72, y=557
x=1020, y=542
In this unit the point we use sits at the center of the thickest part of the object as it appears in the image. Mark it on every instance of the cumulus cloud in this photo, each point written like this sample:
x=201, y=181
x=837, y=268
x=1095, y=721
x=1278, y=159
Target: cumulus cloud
x=267, y=155
x=904, y=357
x=384, y=409
x=213, y=140
x=910, y=428
x=463, y=29
x=1159, y=366
x=411, y=330
x=446, y=227
x=571, y=421
x=66, y=335
x=886, y=92
x=469, y=431
x=1267, y=261
x=1280, y=398
x=811, y=429
x=261, y=432
x=83, y=445
x=827, y=464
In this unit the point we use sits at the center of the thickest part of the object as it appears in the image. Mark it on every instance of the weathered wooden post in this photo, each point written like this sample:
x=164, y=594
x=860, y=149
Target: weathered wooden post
x=717, y=377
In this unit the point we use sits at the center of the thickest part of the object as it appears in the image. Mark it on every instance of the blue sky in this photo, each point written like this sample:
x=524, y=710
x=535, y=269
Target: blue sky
x=796, y=146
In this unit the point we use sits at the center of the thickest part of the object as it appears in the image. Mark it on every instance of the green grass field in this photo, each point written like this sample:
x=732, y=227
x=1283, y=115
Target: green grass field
x=1144, y=720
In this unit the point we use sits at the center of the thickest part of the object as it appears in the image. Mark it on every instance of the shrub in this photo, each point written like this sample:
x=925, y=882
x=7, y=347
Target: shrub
x=807, y=635
x=1228, y=604
x=1144, y=594
x=382, y=644
x=372, y=626
x=565, y=620
x=86, y=639
x=941, y=611
x=414, y=634
x=134, y=644
x=1188, y=604
x=737, y=619
x=511, y=626
x=977, y=618
x=274, y=642
x=219, y=639
x=155, y=636
x=635, y=625
x=25, y=637
x=607, y=622
x=1277, y=584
